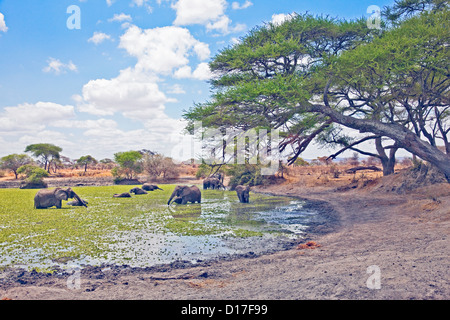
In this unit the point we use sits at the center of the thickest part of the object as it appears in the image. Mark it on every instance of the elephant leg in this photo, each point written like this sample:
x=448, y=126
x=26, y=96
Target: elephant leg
x=59, y=204
x=184, y=201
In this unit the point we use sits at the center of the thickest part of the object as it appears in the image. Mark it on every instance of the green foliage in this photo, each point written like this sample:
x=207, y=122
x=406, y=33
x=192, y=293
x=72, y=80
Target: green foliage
x=85, y=160
x=33, y=174
x=129, y=162
x=244, y=174
x=311, y=72
x=203, y=171
x=14, y=161
x=46, y=151
x=301, y=162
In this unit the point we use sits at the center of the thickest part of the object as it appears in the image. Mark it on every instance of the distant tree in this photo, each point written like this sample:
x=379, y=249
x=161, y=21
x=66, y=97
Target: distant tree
x=107, y=163
x=46, y=152
x=157, y=165
x=300, y=162
x=354, y=159
x=67, y=163
x=86, y=160
x=14, y=161
x=130, y=163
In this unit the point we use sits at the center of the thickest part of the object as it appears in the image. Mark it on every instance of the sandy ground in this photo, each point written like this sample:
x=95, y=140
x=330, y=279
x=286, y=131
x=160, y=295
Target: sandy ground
x=405, y=236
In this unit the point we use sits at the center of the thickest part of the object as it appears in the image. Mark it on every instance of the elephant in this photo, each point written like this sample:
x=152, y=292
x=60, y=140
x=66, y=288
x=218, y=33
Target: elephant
x=122, y=195
x=48, y=198
x=212, y=183
x=77, y=203
x=185, y=194
x=138, y=191
x=150, y=187
x=243, y=193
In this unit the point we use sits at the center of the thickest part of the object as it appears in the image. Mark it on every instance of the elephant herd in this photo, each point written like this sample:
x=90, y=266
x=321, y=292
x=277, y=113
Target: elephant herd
x=181, y=195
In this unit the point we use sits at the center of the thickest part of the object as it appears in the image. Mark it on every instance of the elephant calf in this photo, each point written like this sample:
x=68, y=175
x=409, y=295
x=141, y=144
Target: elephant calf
x=122, y=195
x=243, y=193
x=150, y=187
x=138, y=191
x=77, y=203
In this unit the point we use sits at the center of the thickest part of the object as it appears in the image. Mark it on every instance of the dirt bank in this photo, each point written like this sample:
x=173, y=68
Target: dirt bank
x=405, y=236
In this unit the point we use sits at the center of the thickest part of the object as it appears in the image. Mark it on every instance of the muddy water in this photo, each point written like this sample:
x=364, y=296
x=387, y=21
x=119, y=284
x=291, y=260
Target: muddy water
x=219, y=227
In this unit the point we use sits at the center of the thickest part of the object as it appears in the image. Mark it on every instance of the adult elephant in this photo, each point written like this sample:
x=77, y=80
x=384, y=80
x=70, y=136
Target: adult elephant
x=243, y=193
x=150, y=187
x=185, y=194
x=212, y=183
x=48, y=198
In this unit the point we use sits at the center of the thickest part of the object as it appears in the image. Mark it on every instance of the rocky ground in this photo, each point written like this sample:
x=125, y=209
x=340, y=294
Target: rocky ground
x=405, y=236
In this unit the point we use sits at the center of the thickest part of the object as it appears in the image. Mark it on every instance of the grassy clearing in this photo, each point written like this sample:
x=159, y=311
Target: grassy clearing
x=29, y=236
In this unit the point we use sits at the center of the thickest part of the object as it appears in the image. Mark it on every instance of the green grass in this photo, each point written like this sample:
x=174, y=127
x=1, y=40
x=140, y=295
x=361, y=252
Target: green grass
x=28, y=235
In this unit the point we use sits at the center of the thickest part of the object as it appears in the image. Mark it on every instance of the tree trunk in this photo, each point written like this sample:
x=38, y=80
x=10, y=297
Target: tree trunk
x=404, y=137
x=388, y=162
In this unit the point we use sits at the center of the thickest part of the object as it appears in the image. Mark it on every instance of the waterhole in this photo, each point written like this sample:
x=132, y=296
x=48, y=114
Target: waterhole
x=140, y=232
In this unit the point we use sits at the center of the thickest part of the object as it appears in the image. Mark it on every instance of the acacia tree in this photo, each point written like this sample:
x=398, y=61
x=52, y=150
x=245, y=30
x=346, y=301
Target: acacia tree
x=46, y=151
x=14, y=161
x=86, y=160
x=309, y=73
x=129, y=162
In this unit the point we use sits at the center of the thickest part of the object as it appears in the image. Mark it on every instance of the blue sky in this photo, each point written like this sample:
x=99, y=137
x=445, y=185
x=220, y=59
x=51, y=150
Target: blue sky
x=122, y=80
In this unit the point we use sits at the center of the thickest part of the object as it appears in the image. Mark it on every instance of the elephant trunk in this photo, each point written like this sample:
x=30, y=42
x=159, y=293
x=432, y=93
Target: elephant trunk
x=79, y=199
x=171, y=197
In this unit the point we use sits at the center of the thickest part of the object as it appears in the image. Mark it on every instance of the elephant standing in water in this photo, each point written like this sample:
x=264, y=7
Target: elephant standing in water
x=212, y=183
x=185, y=194
x=243, y=193
x=48, y=198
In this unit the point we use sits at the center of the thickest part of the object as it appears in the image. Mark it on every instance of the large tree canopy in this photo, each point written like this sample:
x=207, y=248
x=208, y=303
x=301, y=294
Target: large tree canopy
x=311, y=73
x=46, y=151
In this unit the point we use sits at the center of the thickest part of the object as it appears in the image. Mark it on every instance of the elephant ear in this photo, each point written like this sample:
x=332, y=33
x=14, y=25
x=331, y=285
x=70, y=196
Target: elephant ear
x=61, y=195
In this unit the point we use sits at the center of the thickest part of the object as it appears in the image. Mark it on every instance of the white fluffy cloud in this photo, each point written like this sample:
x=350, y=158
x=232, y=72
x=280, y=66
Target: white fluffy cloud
x=202, y=72
x=58, y=67
x=99, y=37
x=208, y=13
x=3, y=26
x=161, y=50
x=33, y=117
x=121, y=18
x=278, y=19
x=198, y=11
x=134, y=94
x=236, y=6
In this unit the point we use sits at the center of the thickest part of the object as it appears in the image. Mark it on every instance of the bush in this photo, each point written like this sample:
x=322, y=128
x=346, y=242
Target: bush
x=246, y=174
x=33, y=174
x=156, y=165
x=130, y=164
x=203, y=171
